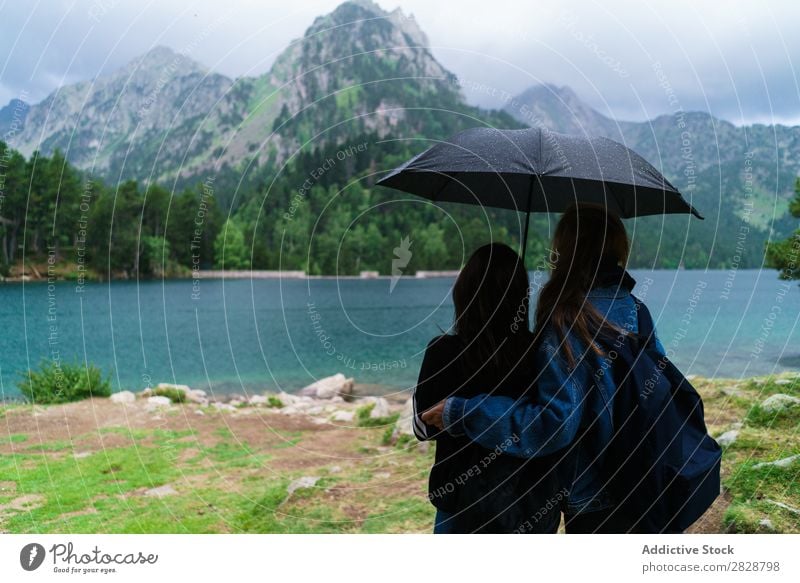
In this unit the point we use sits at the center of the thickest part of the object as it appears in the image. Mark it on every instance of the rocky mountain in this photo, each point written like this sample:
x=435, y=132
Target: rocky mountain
x=358, y=70
x=12, y=118
x=749, y=170
x=361, y=71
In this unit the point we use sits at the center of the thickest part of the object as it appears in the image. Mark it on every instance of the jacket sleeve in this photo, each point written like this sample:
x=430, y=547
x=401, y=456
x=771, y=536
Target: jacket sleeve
x=535, y=425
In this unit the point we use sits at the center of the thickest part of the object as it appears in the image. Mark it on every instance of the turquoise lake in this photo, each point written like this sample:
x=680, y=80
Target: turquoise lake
x=255, y=335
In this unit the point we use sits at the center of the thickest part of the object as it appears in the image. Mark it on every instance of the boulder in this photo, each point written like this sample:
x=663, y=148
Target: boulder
x=381, y=409
x=288, y=399
x=223, y=406
x=301, y=483
x=123, y=397
x=728, y=438
x=197, y=396
x=258, y=400
x=404, y=425
x=781, y=463
x=343, y=416
x=158, y=401
x=329, y=387
x=779, y=402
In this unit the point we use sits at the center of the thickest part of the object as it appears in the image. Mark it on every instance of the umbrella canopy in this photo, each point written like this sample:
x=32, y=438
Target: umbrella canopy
x=537, y=170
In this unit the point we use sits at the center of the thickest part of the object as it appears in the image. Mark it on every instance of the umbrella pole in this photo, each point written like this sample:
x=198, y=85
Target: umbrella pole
x=525, y=237
x=527, y=222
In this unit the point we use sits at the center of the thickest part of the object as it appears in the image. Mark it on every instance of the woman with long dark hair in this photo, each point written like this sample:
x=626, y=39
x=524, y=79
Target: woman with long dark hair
x=478, y=487
x=587, y=297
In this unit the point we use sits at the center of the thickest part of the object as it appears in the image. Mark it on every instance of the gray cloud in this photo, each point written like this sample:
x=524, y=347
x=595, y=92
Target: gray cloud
x=733, y=59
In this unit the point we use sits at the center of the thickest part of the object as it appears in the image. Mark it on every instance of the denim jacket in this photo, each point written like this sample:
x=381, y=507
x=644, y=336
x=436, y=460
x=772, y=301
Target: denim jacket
x=568, y=404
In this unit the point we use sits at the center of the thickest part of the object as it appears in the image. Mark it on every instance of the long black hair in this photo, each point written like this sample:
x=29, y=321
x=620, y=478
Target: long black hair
x=491, y=305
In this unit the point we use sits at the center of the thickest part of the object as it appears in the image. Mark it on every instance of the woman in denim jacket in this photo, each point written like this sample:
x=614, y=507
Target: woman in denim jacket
x=588, y=293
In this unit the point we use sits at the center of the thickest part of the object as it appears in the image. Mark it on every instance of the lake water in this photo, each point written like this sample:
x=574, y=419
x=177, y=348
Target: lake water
x=243, y=335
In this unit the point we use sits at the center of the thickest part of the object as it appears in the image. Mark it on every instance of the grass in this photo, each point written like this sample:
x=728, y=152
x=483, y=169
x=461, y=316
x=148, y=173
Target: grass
x=363, y=418
x=223, y=484
x=227, y=480
x=171, y=393
x=763, y=437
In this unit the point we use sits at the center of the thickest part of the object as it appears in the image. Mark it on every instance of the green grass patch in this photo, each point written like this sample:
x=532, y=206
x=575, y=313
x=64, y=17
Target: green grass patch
x=171, y=393
x=62, y=382
x=363, y=418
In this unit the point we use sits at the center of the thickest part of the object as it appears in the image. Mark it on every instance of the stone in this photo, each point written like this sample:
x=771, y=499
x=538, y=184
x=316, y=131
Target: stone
x=727, y=438
x=381, y=409
x=223, y=406
x=732, y=391
x=302, y=483
x=286, y=399
x=343, y=416
x=158, y=401
x=148, y=392
x=781, y=463
x=161, y=491
x=199, y=412
x=766, y=524
x=197, y=396
x=783, y=382
x=123, y=397
x=404, y=425
x=791, y=509
x=779, y=402
x=258, y=400
x=329, y=387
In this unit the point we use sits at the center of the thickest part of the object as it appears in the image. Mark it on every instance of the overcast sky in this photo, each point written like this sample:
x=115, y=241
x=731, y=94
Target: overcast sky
x=629, y=59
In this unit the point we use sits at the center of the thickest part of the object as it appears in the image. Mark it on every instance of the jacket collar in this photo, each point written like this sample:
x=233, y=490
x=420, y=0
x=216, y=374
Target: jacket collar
x=611, y=281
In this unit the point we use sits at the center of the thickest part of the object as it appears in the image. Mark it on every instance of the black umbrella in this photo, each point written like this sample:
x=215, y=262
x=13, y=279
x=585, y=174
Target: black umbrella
x=537, y=170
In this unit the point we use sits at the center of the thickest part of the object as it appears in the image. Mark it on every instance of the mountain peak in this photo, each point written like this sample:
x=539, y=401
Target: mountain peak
x=164, y=58
x=560, y=109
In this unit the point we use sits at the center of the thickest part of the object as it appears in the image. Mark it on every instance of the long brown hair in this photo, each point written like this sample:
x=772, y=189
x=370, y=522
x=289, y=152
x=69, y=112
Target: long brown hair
x=585, y=237
x=490, y=298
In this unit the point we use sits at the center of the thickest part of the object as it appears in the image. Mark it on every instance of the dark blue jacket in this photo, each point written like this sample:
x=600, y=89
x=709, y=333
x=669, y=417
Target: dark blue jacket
x=568, y=404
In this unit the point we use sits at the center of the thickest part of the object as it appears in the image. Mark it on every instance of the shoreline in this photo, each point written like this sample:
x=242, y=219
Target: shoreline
x=268, y=274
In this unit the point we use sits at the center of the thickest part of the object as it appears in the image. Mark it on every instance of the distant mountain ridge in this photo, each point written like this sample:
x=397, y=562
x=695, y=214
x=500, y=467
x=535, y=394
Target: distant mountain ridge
x=750, y=163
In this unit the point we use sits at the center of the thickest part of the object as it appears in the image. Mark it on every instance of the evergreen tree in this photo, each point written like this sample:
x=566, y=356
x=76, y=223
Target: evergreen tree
x=230, y=251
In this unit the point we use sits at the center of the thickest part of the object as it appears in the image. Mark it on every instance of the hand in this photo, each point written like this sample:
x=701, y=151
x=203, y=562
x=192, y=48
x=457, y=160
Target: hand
x=433, y=416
